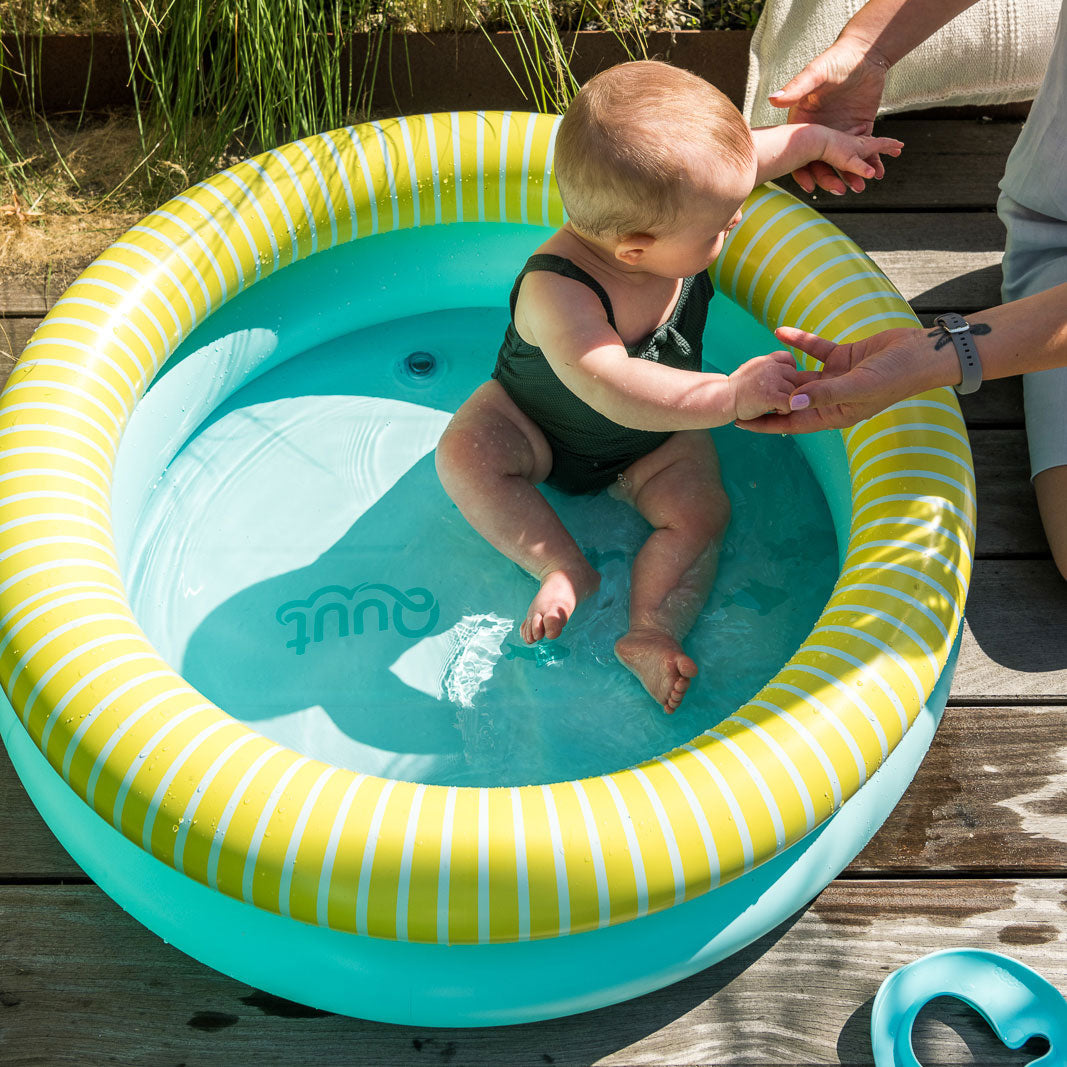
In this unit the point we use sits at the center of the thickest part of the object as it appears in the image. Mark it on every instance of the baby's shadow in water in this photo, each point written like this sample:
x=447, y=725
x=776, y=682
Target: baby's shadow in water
x=364, y=657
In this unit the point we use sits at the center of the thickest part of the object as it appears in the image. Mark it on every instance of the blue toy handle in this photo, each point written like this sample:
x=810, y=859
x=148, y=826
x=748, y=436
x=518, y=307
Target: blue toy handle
x=1016, y=1002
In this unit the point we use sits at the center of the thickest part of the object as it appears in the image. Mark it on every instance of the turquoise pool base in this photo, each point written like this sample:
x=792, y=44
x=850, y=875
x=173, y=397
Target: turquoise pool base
x=465, y=985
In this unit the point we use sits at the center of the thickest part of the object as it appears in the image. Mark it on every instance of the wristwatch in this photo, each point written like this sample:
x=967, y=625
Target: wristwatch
x=959, y=329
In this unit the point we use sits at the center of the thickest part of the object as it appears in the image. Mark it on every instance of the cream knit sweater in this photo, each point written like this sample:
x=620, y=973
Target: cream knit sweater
x=993, y=53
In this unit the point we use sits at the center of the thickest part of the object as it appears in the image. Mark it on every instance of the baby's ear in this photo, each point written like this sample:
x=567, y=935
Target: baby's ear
x=631, y=247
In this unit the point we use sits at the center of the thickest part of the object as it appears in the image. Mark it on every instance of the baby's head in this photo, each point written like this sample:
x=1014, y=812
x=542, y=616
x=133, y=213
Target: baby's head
x=643, y=141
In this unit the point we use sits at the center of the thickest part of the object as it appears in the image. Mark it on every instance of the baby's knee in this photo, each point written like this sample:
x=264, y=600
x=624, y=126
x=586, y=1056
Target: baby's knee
x=453, y=455
x=473, y=453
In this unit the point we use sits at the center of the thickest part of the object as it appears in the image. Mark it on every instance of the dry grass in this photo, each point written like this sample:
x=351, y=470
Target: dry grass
x=70, y=168
x=74, y=204
x=58, y=246
x=61, y=16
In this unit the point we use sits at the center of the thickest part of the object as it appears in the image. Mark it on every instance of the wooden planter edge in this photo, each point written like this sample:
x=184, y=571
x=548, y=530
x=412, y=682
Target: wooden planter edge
x=416, y=72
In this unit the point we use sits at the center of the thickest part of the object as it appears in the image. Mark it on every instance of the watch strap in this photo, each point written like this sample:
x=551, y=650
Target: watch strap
x=959, y=330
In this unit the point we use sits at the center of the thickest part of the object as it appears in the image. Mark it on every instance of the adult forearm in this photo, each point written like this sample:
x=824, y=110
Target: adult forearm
x=1017, y=338
x=889, y=29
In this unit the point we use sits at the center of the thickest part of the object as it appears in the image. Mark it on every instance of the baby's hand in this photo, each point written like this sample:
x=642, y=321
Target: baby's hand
x=856, y=156
x=764, y=384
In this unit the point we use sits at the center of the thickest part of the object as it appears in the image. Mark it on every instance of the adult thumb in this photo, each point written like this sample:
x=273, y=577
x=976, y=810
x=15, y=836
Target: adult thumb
x=823, y=393
x=794, y=90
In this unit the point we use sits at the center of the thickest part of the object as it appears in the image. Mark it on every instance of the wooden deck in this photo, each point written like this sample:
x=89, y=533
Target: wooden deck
x=975, y=854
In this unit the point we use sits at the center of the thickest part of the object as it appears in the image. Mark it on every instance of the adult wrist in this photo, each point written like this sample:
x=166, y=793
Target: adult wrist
x=866, y=49
x=957, y=330
x=939, y=362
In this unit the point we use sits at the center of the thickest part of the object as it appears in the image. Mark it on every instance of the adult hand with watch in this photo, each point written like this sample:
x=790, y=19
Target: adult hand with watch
x=861, y=378
x=1027, y=334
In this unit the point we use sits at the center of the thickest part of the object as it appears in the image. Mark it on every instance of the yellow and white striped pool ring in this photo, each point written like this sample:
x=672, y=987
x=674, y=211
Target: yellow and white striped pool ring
x=400, y=860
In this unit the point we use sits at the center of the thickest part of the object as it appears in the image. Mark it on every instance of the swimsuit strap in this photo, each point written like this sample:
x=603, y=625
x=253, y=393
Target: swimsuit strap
x=560, y=265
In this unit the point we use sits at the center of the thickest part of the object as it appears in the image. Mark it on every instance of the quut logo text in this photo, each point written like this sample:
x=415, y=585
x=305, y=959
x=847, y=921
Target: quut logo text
x=411, y=613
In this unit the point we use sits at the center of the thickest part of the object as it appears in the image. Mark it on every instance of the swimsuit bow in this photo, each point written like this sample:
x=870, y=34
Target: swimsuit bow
x=667, y=335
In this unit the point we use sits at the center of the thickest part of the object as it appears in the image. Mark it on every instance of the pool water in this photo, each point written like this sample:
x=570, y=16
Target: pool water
x=300, y=565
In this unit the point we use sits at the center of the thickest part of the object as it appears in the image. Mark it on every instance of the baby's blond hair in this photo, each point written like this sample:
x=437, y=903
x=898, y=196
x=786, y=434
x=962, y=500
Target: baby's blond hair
x=623, y=145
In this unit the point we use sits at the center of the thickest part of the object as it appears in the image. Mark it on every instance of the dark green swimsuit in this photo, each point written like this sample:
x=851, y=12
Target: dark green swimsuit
x=589, y=451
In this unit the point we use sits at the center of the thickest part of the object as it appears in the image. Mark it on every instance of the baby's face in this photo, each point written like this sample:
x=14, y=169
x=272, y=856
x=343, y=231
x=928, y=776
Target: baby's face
x=711, y=208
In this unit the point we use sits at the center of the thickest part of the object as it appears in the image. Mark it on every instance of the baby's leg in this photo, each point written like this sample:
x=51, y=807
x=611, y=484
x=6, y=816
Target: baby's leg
x=489, y=459
x=677, y=489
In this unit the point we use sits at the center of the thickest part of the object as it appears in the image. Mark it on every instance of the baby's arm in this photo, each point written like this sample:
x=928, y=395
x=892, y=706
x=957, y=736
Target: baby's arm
x=568, y=324
x=782, y=149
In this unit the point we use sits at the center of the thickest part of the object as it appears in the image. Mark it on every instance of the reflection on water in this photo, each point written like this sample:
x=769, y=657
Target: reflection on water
x=300, y=564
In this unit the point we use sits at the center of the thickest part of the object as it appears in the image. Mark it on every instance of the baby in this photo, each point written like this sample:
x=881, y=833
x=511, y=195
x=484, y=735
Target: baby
x=599, y=384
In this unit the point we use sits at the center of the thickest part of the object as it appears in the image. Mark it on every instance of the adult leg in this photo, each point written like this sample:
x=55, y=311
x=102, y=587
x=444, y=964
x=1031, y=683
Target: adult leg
x=490, y=459
x=1035, y=259
x=1050, y=485
x=678, y=490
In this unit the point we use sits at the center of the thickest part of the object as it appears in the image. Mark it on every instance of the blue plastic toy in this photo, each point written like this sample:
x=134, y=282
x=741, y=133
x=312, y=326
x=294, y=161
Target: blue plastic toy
x=1016, y=1002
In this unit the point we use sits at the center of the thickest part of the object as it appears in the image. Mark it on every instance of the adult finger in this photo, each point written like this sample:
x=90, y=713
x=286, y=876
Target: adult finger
x=827, y=178
x=796, y=422
x=854, y=181
x=819, y=347
x=804, y=178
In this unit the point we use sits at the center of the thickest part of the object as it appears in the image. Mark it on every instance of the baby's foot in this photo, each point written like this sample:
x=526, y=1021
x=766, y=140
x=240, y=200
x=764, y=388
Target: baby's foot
x=560, y=593
x=660, y=664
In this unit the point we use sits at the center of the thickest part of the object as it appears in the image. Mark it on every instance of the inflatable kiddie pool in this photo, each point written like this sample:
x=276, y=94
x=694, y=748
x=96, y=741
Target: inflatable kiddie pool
x=396, y=899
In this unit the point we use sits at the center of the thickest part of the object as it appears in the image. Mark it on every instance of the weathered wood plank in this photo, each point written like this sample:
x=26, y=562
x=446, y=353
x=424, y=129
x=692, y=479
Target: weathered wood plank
x=940, y=261
x=801, y=994
x=14, y=335
x=998, y=404
x=1014, y=645
x=946, y=163
x=22, y=297
x=28, y=849
x=989, y=798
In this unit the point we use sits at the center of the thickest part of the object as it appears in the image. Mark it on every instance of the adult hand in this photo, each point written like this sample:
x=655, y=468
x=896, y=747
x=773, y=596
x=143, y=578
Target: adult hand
x=841, y=88
x=858, y=379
